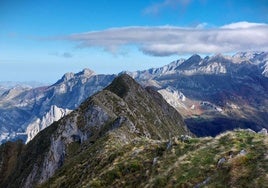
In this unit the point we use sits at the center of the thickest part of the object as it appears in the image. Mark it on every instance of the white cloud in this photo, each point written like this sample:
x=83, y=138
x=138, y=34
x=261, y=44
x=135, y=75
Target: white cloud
x=168, y=40
x=240, y=25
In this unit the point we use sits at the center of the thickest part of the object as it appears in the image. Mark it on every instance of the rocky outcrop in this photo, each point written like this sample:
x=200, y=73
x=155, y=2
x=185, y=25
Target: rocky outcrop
x=263, y=131
x=54, y=114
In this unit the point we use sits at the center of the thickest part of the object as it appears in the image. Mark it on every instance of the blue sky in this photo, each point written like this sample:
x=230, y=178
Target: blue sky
x=41, y=40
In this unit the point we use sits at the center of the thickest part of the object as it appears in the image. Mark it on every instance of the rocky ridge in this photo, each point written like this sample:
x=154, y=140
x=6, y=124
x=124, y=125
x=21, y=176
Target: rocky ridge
x=124, y=111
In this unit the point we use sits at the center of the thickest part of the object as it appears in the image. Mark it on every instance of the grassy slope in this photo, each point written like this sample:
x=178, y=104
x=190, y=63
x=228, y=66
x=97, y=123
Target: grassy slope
x=144, y=162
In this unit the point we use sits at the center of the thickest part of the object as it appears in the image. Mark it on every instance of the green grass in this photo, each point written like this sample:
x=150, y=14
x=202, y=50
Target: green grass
x=109, y=163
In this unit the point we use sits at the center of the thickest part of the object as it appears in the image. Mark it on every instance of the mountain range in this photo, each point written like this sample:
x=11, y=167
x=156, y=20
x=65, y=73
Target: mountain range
x=122, y=112
x=4, y=86
x=127, y=135
x=24, y=112
x=213, y=94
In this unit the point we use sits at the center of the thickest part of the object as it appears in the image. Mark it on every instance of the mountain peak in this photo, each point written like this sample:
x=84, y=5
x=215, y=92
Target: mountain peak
x=219, y=55
x=125, y=77
x=68, y=76
x=122, y=85
x=192, y=61
x=219, y=58
x=86, y=73
x=195, y=57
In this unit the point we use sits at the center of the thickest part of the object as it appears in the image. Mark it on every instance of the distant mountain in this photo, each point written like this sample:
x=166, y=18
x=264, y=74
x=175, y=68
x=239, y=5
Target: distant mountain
x=21, y=108
x=118, y=115
x=4, y=86
x=213, y=94
x=241, y=63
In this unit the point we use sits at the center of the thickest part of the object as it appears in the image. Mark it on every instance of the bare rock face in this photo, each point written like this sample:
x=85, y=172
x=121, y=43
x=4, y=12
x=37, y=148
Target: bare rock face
x=54, y=114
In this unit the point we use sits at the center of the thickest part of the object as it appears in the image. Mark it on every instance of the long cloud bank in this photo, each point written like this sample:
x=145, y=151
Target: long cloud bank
x=168, y=40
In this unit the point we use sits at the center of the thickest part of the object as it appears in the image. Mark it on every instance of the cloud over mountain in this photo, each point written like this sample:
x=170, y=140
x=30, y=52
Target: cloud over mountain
x=169, y=40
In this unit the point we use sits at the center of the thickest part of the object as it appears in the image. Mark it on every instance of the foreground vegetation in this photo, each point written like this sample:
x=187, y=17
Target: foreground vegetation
x=232, y=159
